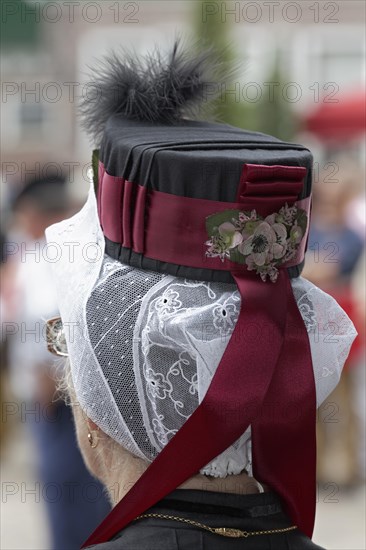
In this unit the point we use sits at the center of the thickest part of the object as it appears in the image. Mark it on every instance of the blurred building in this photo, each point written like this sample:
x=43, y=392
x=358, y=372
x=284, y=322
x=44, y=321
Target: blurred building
x=48, y=46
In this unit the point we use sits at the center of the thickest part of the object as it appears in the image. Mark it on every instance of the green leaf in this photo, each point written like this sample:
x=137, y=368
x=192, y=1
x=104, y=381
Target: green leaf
x=236, y=257
x=302, y=219
x=213, y=221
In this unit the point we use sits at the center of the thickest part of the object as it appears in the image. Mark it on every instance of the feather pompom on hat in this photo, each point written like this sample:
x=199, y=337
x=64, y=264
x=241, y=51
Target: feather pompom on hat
x=155, y=89
x=193, y=318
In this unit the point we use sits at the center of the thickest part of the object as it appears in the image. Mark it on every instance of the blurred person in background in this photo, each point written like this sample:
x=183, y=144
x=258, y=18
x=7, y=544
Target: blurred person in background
x=359, y=379
x=3, y=343
x=74, y=499
x=335, y=250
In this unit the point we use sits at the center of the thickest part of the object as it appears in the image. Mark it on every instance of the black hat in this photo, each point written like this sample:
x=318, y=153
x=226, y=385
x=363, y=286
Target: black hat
x=149, y=146
x=197, y=160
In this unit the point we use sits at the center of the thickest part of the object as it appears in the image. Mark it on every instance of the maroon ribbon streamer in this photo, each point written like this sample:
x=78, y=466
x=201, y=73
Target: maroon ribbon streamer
x=284, y=432
x=264, y=379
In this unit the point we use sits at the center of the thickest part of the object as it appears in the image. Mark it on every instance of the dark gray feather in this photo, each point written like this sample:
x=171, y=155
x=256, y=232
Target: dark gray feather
x=155, y=88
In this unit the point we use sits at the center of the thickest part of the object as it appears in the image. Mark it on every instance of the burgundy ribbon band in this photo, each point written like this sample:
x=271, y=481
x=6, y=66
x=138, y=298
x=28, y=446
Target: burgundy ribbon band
x=265, y=381
x=172, y=228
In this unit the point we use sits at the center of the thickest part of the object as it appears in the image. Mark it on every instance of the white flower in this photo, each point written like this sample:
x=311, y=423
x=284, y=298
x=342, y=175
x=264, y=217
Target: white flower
x=287, y=214
x=230, y=235
x=225, y=317
x=268, y=242
x=157, y=385
x=279, y=247
x=217, y=248
x=168, y=303
x=264, y=244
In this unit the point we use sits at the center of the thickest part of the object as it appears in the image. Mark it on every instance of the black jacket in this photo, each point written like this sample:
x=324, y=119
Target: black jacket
x=253, y=512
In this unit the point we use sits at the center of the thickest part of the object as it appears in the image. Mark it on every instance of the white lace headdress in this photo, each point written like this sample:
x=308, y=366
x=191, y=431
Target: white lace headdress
x=144, y=346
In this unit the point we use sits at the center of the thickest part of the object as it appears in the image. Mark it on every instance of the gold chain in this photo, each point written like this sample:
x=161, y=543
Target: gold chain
x=223, y=531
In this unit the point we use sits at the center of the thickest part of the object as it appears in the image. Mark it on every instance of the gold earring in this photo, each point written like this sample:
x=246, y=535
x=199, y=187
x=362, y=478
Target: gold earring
x=93, y=438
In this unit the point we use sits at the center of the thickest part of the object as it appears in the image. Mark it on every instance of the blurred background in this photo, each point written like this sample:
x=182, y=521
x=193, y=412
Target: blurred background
x=301, y=77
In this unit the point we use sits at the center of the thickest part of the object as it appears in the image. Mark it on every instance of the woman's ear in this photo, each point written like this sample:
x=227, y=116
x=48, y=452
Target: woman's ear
x=85, y=418
x=91, y=425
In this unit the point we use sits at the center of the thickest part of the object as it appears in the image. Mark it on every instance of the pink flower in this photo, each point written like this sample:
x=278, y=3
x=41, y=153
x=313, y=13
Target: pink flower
x=249, y=228
x=243, y=217
x=271, y=219
x=268, y=242
x=264, y=244
x=280, y=246
x=230, y=235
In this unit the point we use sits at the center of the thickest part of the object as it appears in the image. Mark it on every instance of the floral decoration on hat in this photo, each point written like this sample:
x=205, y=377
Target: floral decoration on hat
x=262, y=244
